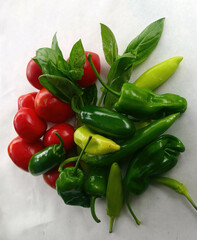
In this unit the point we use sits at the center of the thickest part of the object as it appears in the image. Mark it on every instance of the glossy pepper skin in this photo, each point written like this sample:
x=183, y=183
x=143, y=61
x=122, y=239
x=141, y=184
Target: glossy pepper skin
x=142, y=103
x=141, y=138
x=47, y=158
x=70, y=187
x=95, y=185
x=158, y=74
x=114, y=195
x=155, y=159
x=107, y=122
x=98, y=143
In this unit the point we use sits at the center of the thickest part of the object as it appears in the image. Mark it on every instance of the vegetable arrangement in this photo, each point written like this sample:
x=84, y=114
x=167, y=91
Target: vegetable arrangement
x=121, y=129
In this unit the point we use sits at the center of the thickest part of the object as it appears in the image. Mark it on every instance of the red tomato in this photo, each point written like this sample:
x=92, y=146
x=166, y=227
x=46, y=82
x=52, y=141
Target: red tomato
x=33, y=71
x=50, y=108
x=67, y=133
x=21, y=152
x=28, y=125
x=51, y=176
x=27, y=100
x=89, y=77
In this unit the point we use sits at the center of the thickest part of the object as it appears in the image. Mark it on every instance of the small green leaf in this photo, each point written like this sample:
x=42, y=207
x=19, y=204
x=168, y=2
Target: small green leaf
x=77, y=56
x=110, y=46
x=76, y=74
x=90, y=95
x=55, y=46
x=61, y=87
x=143, y=45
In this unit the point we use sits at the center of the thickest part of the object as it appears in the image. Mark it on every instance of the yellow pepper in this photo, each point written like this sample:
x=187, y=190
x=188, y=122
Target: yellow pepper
x=98, y=144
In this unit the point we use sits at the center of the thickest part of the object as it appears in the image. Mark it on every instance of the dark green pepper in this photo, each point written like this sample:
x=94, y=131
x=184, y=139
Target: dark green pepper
x=95, y=185
x=105, y=121
x=142, y=103
x=140, y=139
x=48, y=158
x=70, y=184
x=155, y=159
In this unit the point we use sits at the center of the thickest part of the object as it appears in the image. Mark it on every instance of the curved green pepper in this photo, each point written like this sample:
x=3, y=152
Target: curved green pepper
x=48, y=158
x=95, y=185
x=140, y=139
x=155, y=159
x=158, y=74
x=105, y=121
x=142, y=103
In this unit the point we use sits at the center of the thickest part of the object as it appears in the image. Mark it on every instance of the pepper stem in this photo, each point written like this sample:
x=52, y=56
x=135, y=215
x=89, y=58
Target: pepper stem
x=61, y=139
x=81, y=154
x=75, y=109
x=89, y=57
x=131, y=211
x=92, y=208
x=111, y=224
x=175, y=185
x=69, y=160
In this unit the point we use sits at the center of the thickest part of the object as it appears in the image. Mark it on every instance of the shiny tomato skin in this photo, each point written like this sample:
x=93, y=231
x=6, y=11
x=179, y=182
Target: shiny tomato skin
x=67, y=133
x=51, y=176
x=21, y=152
x=28, y=125
x=33, y=71
x=27, y=100
x=89, y=77
x=50, y=108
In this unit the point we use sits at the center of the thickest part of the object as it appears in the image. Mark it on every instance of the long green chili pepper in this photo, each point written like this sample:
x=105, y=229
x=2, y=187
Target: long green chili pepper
x=95, y=185
x=140, y=139
x=47, y=158
x=105, y=121
x=70, y=184
x=174, y=185
x=142, y=103
x=154, y=159
x=114, y=195
x=158, y=74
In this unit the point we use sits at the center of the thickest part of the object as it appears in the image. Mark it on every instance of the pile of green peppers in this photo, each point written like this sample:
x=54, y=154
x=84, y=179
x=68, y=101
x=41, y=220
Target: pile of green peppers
x=145, y=152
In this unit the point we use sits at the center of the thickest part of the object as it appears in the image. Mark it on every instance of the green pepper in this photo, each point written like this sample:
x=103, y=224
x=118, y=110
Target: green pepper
x=105, y=121
x=158, y=74
x=95, y=186
x=70, y=184
x=114, y=195
x=140, y=139
x=47, y=158
x=174, y=185
x=142, y=103
x=155, y=159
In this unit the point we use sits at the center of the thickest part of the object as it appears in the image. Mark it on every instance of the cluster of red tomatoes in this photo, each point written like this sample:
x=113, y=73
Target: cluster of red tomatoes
x=38, y=110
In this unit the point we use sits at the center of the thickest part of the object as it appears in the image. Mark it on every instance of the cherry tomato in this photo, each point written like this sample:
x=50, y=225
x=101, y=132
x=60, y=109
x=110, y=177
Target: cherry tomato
x=50, y=108
x=67, y=133
x=27, y=100
x=89, y=77
x=21, y=152
x=33, y=71
x=51, y=176
x=28, y=125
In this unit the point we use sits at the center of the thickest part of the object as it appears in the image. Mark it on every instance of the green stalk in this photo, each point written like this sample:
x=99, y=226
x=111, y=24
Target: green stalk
x=131, y=211
x=89, y=57
x=92, y=207
x=176, y=186
x=69, y=160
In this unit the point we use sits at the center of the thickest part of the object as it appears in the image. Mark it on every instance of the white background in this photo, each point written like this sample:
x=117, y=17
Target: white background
x=29, y=209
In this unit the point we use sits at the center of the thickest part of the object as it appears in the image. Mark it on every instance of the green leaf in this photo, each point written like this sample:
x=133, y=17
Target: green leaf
x=55, y=46
x=61, y=87
x=90, y=95
x=143, y=45
x=116, y=84
x=77, y=56
x=110, y=47
x=120, y=66
x=76, y=74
